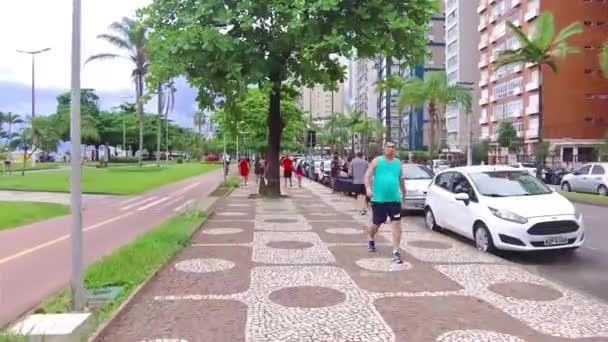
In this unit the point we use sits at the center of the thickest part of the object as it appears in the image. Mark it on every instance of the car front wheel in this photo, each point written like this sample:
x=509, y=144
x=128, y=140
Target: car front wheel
x=429, y=220
x=483, y=239
x=566, y=187
x=602, y=190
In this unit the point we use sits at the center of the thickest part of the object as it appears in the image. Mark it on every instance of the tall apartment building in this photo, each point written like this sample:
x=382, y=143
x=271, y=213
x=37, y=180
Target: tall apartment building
x=462, y=55
x=364, y=95
x=414, y=125
x=575, y=107
x=322, y=103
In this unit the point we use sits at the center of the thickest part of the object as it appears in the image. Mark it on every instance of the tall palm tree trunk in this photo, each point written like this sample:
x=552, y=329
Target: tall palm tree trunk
x=539, y=163
x=159, y=123
x=140, y=115
x=432, y=114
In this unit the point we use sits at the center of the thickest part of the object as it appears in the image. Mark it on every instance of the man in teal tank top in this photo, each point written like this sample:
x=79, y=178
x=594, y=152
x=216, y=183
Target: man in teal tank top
x=384, y=184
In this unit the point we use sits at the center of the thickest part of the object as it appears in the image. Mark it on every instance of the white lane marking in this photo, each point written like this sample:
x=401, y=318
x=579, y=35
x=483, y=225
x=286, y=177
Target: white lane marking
x=59, y=239
x=125, y=202
x=136, y=204
x=186, y=189
x=185, y=204
x=172, y=202
x=149, y=205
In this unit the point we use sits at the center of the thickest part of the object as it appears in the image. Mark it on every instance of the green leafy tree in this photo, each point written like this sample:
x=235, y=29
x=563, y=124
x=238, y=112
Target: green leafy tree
x=200, y=119
x=89, y=121
x=234, y=44
x=480, y=152
x=433, y=91
x=603, y=148
x=604, y=60
x=543, y=47
x=130, y=36
x=10, y=120
x=41, y=135
x=542, y=150
x=506, y=136
x=369, y=130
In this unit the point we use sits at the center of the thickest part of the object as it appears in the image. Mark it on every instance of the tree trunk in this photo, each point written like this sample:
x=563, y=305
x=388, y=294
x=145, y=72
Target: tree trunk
x=539, y=163
x=275, y=130
x=140, y=115
x=159, y=123
x=432, y=118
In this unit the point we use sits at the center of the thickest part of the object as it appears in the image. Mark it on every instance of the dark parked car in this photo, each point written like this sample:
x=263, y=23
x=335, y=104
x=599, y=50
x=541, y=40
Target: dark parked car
x=554, y=175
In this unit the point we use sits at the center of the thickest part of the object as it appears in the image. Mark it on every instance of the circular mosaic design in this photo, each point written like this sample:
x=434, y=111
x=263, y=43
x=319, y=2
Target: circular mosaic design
x=206, y=265
x=525, y=291
x=307, y=297
x=477, y=336
x=289, y=244
x=222, y=231
x=231, y=213
x=429, y=244
x=281, y=221
x=382, y=265
x=344, y=231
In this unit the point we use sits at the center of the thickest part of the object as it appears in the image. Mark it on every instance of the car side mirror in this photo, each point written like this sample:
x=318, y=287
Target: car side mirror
x=462, y=196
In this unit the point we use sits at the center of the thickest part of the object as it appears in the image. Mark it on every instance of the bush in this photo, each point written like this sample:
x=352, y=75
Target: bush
x=232, y=182
x=180, y=160
x=125, y=160
x=421, y=156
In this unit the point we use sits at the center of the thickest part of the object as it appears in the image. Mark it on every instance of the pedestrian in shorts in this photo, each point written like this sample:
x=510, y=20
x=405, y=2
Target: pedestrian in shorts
x=358, y=169
x=384, y=184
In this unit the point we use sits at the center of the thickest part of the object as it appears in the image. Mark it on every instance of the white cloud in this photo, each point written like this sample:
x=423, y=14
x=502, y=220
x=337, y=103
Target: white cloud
x=36, y=24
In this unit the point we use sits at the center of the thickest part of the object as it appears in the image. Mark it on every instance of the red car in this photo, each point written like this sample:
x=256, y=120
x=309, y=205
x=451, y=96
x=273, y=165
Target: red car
x=212, y=158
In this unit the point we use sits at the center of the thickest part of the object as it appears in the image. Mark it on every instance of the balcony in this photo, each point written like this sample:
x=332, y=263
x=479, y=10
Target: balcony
x=532, y=109
x=493, y=78
x=483, y=43
x=493, y=18
x=515, y=3
x=518, y=69
x=494, y=57
x=483, y=4
x=483, y=24
x=532, y=133
x=492, y=1
x=492, y=98
x=483, y=82
x=482, y=62
x=532, y=85
x=518, y=114
x=520, y=134
x=483, y=120
x=516, y=23
x=493, y=118
x=532, y=13
x=517, y=91
x=483, y=100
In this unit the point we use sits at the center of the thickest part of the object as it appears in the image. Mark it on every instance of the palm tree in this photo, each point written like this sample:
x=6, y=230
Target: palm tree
x=200, y=120
x=353, y=119
x=369, y=129
x=433, y=91
x=542, y=47
x=10, y=119
x=129, y=36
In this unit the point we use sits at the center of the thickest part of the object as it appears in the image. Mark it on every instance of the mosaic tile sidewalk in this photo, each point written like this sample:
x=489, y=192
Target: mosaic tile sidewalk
x=297, y=269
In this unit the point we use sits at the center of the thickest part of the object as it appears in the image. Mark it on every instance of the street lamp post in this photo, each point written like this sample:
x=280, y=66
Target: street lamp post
x=33, y=54
x=124, y=127
x=76, y=283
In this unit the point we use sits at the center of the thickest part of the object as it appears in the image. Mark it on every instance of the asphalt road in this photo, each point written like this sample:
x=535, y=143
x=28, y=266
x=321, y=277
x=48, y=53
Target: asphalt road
x=585, y=270
x=35, y=259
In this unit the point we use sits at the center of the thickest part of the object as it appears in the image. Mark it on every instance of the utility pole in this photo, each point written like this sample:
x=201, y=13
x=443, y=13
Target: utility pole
x=76, y=283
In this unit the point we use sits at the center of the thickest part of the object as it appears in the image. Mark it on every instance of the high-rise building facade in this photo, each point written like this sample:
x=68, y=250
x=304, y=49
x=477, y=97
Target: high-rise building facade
x=414, y=127
x=364, y=78
x=574, y=99
x=322, y=103
x=462, y=55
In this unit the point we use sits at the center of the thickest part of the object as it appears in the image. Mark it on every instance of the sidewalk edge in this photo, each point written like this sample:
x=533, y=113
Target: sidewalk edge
x=210, y=210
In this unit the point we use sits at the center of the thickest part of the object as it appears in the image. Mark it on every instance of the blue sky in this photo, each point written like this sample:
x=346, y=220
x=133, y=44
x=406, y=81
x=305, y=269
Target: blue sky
x=52, y=28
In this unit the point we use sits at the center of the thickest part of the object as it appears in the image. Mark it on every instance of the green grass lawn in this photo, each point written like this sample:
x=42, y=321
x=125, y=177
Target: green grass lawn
x=586, y=198
x=130, y=265
x=111, y=180
x=17, y=167
x=16, y=213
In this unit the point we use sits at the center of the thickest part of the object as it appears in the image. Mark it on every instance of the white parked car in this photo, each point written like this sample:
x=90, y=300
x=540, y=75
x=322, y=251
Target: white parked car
x=530, y=167
x=439, y=165
x=418, y=178
x=592, y=178
x=501, y=207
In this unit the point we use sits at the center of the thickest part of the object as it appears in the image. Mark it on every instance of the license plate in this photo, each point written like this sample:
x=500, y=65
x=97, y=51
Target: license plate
x=558, y=240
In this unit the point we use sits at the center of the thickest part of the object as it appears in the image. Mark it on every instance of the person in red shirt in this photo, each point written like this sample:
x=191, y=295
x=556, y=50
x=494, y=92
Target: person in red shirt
x=287, y=164
x=244, y=170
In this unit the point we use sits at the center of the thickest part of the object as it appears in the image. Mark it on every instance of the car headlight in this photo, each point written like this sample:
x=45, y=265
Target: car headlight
x=508, y=215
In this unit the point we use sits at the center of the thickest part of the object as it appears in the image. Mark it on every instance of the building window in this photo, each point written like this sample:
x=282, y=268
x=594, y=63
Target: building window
x=507, y=88
x=508, y=110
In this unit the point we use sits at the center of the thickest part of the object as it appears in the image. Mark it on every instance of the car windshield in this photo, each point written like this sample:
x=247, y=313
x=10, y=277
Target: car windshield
x=508, y=184
x=416, y=172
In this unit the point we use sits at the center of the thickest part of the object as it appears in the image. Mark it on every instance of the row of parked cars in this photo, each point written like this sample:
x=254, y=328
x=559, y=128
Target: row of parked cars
x=318, y=169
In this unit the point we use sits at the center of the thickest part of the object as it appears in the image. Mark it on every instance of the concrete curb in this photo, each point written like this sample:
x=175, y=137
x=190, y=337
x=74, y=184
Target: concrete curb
x=209, y=211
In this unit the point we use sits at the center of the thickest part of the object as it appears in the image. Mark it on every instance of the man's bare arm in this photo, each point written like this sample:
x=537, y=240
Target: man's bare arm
x=369, y=175
x=402, y=183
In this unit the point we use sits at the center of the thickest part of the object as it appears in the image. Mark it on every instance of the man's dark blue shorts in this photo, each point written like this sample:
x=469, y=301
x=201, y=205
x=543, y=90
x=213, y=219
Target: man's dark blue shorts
x=383, y=210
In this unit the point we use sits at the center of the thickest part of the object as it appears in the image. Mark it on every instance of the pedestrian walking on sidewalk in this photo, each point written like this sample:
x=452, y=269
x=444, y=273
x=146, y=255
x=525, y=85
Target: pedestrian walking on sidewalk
x=383, y=183
x=299, y=174
x=287, y=164
x=358, y=169
x=258, y=169
x=244, y=170
x=334, y=172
